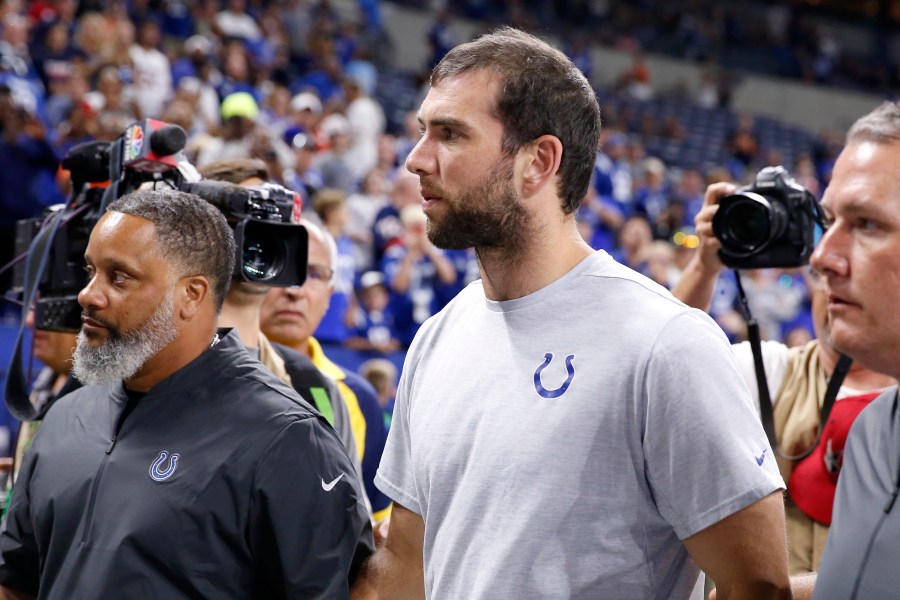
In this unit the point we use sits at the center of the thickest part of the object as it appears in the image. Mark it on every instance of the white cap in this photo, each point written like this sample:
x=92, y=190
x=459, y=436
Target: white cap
x=370, y=279
x=197, y=43
x=335, y=124
x=306, y=101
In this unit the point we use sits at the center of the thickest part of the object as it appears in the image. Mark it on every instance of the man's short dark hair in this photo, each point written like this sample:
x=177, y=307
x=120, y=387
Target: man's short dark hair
x=191, y=232
x=235, y=170
x=882, y=125
x=541, y=93
x=326, y=200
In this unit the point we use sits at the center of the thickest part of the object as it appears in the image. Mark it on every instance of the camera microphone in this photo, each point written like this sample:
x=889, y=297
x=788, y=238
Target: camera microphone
x=150, y=146
x=168, y=140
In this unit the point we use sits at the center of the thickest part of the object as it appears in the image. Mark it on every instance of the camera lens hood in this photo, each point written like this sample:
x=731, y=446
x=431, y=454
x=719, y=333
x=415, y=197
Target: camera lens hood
x=747, y=222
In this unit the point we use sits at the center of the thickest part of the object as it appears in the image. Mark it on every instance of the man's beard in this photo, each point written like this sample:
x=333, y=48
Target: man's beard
x=486, y=215
x=121, y=356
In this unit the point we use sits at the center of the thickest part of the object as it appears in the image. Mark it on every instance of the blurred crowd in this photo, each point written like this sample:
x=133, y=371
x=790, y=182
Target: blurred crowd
x=294, y=83
x=642, y=211
x=800, y=40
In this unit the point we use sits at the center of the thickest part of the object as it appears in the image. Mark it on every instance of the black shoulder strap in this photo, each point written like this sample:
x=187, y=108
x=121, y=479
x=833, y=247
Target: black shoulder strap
x=766, y=413
x=765, y=402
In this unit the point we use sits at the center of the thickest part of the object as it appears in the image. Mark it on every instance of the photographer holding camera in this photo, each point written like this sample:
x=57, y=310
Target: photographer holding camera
x=241, y=310
x=182, y=468
x=796, y=377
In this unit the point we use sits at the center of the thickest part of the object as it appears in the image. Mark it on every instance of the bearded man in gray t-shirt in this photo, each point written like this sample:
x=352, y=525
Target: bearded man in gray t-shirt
x=564, y=428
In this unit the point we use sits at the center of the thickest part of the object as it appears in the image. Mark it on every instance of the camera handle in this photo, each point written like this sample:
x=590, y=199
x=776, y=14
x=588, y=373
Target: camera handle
x=765, y=402
x=16, y=391
x=115, y=175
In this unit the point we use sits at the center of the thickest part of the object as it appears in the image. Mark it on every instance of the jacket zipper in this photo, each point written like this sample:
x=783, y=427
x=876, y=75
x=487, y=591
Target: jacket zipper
x=129, y=407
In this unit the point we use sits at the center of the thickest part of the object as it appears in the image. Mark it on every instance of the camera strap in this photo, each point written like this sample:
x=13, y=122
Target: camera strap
x=17, y=400
x=766, y=413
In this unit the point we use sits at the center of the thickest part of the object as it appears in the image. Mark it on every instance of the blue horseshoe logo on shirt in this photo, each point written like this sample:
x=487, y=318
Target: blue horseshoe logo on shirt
x=544, y=392
x=156, y=474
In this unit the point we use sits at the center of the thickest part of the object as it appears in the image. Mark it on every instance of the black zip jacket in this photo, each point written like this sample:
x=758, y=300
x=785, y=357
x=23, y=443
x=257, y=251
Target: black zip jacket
x=217, y=483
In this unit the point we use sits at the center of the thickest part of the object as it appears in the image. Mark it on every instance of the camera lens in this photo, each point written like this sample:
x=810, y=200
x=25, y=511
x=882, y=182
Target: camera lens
x=746, y=223
x=262, y=259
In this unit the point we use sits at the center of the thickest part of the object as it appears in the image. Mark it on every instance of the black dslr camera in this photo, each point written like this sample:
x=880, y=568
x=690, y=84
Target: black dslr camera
x=767, y=224
x=271, y=249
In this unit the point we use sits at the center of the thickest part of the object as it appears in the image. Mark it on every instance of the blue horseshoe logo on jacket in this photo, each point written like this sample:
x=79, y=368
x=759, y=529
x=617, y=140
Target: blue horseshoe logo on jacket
x=544, y=392
x=161, y=475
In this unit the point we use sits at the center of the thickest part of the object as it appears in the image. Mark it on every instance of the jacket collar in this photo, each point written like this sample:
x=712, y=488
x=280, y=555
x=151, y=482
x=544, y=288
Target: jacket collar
x=226, y=349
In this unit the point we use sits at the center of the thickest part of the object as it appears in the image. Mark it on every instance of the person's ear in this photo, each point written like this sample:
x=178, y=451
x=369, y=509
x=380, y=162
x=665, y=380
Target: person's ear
x=192, y=292
x=542, y=159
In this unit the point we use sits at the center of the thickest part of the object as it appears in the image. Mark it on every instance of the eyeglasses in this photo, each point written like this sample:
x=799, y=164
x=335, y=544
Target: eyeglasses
x=318, y=273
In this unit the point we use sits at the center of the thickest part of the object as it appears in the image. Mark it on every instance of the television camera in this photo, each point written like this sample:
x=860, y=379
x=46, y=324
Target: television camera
x=271, y=247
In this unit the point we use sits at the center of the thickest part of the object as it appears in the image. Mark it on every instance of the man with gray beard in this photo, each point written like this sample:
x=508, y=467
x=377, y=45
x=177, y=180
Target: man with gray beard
x=121, y=356
x=183, y=468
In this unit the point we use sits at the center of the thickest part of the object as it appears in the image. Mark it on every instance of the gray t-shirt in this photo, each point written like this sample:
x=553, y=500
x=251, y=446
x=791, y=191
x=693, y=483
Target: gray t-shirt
x=562, y=444
x=860, y=558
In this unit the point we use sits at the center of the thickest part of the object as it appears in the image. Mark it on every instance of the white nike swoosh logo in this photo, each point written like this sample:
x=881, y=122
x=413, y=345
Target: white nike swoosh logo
x=329, y=486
